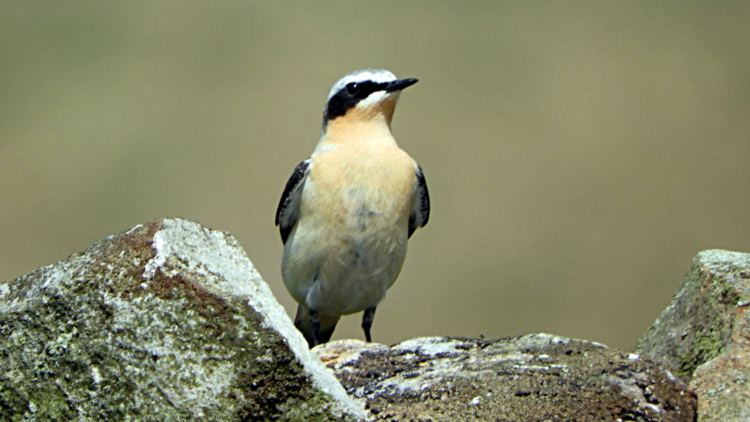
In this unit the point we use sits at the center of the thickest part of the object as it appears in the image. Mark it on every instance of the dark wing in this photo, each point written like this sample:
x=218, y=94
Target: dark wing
x=288, y=211
x=421, y=212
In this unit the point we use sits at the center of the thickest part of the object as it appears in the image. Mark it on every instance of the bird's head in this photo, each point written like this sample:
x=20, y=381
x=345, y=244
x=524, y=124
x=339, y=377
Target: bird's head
x=364, y=95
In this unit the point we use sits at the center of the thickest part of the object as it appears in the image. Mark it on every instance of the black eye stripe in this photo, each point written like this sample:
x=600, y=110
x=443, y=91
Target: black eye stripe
x=349, y=96
x=362, y=89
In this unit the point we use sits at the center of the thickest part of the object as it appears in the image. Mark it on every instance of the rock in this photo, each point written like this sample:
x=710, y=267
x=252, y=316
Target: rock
x=165, y=322
x=722, y=387
x=703, y=337
x=532, y=378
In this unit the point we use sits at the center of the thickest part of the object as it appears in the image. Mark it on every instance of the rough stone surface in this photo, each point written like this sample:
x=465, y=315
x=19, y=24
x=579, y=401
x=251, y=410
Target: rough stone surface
x=703, y=337
x=166, y=322
x=722, y=387
x=532, y=378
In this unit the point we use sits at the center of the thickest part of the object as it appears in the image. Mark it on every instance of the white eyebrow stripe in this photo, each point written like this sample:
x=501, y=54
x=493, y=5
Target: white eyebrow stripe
x=374, y=75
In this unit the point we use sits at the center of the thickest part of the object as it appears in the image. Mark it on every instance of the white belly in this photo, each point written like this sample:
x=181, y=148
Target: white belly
x=339, y=273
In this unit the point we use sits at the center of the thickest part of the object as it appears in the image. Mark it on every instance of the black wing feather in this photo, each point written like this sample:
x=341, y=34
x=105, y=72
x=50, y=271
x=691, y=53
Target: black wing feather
x=421, y=212
x=287, y=212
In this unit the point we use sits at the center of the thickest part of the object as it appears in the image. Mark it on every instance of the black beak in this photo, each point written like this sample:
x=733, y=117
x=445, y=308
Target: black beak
x=400, y=84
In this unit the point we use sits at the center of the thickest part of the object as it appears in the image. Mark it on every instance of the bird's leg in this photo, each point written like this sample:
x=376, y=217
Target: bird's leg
x=315, y=325
x=367, y=319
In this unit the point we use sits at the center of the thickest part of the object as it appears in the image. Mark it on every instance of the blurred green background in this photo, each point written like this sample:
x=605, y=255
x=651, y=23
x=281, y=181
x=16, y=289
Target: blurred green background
x=578, y=154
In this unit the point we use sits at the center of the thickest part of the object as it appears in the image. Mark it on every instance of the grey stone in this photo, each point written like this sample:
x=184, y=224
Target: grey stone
x=532, y=378
x=703, y=337
x=165, y=322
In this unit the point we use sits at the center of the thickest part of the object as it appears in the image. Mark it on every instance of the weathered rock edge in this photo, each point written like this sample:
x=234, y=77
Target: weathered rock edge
x=703, y=337
x=168, y=321
x=537, y=377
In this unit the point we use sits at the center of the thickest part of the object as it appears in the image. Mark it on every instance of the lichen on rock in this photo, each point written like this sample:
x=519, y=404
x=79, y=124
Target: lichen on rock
x=165, y=322
x=536, y=377
x=704, y=335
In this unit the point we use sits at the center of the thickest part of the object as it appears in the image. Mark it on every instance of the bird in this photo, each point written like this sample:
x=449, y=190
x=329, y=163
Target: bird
x=347, y=211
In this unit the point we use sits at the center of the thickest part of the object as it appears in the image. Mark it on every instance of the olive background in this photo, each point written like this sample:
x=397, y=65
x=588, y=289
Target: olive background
x=578, y=153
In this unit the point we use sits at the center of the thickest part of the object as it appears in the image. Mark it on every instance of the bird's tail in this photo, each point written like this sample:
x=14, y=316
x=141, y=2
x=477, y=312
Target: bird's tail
x=304, y=325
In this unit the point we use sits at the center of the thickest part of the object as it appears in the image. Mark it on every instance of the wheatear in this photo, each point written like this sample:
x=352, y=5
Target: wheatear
x=347, y=211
